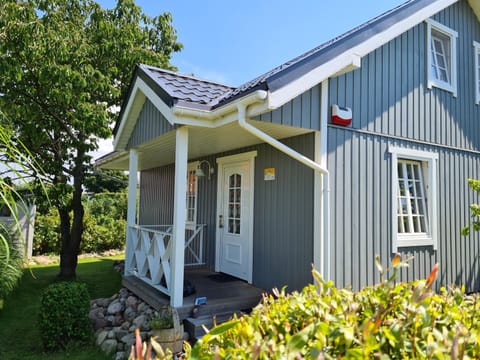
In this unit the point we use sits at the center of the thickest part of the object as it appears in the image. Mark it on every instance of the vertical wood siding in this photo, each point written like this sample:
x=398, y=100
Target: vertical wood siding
x=156, y=196
x=283, y=212
x=283, y=225
x=303, y=111
x=388, y=94
x=361, y=227
x=151, y=124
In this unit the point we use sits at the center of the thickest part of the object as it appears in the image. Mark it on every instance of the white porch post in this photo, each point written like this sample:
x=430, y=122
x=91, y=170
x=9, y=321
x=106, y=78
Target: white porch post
x=131, y=207
x=179, y=208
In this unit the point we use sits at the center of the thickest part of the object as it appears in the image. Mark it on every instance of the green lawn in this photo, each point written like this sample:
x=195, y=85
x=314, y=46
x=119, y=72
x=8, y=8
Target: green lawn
x=19, y=336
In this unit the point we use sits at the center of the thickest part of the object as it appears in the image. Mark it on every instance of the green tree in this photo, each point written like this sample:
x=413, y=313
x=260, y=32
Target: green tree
x=106, y=181
x=64, y=65
x=474, y=209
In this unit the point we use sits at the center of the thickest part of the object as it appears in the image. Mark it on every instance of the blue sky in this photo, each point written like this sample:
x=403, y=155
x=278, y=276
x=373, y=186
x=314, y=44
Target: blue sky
x=234, y=41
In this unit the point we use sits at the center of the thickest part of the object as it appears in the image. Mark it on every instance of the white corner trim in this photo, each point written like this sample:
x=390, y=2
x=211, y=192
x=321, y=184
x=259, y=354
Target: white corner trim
x=133, y=108
x=318, y=223
x=321, y=208
x=476, y=54
x=351, y=56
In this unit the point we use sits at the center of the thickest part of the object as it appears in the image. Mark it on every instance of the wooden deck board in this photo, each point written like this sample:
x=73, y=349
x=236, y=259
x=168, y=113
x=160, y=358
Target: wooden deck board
x=230, y=296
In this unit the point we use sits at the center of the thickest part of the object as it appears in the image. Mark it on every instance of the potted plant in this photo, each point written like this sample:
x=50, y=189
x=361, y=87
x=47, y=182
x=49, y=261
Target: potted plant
x=167, y=330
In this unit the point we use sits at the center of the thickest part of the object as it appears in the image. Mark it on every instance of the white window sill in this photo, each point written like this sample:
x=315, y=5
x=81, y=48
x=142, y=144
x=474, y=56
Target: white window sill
x=442, y=85
x=412, y=240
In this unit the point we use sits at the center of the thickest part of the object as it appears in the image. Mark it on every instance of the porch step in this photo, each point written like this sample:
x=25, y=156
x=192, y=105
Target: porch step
x=194, y=326
x=155, y=298
x=227, y=304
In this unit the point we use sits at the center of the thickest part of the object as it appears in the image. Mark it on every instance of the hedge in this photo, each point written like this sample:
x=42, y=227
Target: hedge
x=391, y=320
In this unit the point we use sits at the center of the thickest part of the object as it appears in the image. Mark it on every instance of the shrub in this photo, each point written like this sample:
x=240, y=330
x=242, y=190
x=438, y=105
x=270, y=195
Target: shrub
x=387, y=321
x=104, y=226
x=63, y=315
x=47, y=233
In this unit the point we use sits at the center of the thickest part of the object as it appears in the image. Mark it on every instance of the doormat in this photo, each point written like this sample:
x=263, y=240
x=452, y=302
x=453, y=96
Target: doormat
x=221, y=278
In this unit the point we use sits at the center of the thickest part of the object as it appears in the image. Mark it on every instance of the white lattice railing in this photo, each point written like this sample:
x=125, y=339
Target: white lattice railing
x=149, y=253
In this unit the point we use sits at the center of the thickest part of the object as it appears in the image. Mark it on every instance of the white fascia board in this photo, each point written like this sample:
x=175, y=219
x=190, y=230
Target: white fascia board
x=134, y=105
x=253, y=110
x=218, y=117
x=312, y=78
x=350, y=58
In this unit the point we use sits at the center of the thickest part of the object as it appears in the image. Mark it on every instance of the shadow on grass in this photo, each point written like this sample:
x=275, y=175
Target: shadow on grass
x=19, y=335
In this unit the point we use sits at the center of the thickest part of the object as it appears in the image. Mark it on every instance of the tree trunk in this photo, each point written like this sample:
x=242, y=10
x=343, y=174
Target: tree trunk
x=68, y=258
x=71, y=239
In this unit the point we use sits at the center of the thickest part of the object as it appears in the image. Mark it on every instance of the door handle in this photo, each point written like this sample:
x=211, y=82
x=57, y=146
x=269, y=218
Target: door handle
x=220, y=221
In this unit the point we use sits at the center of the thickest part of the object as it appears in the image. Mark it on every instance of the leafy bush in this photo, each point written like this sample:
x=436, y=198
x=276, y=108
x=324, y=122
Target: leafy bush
x=104, y=225
x=474, y=209
x=387, y=321
x=47, y=233
x=63, y=315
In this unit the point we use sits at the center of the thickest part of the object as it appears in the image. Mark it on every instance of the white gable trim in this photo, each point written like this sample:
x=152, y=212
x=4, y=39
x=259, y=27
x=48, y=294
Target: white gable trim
x=140, y=92
x=351, y=56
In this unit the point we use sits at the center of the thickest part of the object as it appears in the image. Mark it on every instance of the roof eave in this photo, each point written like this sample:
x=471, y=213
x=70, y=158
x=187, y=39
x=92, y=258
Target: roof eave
x=291, y=82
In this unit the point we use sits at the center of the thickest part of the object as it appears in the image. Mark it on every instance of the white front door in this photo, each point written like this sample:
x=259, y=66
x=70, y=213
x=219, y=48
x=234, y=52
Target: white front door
x=235, y=217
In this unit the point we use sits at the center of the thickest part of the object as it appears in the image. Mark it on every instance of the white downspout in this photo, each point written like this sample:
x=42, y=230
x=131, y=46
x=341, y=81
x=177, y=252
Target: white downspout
x=242, y=121
x=326, y=180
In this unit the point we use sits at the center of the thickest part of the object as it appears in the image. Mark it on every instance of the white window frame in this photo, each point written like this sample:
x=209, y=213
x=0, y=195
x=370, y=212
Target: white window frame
x=191, y=224
x=476, y=52
x=429, y=167
x=450, y=86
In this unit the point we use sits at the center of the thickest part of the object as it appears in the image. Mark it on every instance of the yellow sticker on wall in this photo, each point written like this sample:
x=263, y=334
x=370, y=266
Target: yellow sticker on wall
x=269, y=174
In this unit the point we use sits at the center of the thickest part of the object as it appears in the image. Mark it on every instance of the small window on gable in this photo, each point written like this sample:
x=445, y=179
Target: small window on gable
x=414, y=198
x=442, y=56
x=476, y=48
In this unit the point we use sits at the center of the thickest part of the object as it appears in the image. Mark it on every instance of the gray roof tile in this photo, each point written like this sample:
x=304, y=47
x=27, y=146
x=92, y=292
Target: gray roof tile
x=186, y=88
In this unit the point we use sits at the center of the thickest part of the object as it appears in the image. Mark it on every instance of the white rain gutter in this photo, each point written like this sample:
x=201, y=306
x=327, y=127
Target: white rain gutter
x=242, y=121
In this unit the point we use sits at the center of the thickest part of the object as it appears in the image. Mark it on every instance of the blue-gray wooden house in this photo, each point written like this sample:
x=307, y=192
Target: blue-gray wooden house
x=288, y=181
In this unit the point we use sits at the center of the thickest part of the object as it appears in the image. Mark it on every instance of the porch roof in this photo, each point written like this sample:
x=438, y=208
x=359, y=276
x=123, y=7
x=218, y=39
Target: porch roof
x=202, y=142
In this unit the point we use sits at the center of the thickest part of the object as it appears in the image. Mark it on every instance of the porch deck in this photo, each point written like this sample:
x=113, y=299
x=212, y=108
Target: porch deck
x=224, y=293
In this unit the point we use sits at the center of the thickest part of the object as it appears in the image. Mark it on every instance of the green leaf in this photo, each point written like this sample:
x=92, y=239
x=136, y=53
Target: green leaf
x=220, y=329
x=298, y=341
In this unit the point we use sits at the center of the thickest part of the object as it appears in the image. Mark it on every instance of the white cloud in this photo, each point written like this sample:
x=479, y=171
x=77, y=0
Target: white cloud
x=105, y=146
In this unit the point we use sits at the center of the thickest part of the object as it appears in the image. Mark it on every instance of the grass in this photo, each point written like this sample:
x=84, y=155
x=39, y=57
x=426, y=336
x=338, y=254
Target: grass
x=19, y=335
